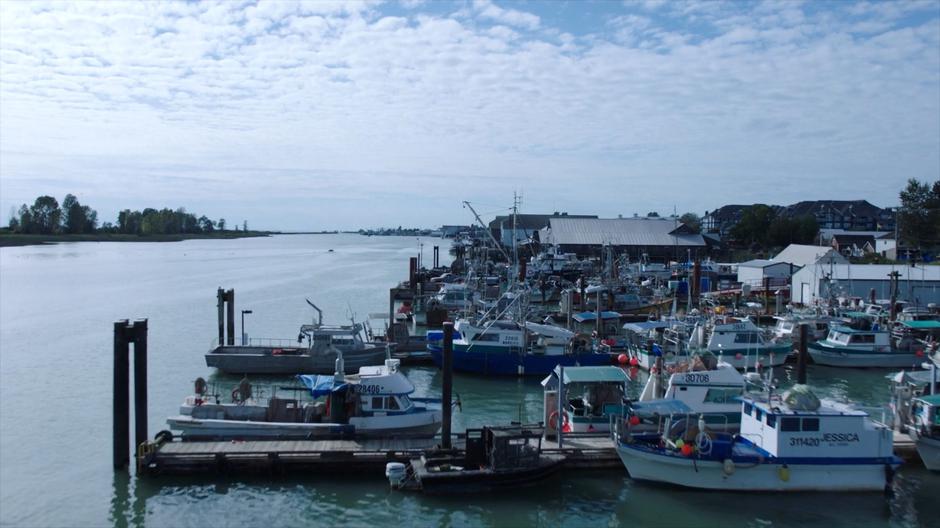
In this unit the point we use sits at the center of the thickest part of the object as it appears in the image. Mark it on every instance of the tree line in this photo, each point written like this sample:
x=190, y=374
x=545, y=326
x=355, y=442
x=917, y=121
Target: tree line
x=47, y=217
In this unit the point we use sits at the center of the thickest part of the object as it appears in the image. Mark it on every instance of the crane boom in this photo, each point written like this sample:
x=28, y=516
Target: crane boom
x=498, y=245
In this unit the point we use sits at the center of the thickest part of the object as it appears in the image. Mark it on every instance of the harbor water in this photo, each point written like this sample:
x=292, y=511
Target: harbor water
x=57, y=306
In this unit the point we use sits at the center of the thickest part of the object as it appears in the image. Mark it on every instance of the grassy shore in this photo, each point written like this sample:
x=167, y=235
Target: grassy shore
x=8, y=239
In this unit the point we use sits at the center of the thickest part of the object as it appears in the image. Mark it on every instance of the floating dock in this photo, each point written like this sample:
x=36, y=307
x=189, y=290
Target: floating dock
x=328, y=456
x=367, y=456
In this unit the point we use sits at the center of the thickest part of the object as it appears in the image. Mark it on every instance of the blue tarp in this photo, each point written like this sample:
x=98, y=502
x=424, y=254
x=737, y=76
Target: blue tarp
x=320, y=384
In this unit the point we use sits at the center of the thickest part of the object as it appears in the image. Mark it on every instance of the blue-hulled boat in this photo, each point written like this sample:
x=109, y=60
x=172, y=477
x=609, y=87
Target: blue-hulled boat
x=509, y=348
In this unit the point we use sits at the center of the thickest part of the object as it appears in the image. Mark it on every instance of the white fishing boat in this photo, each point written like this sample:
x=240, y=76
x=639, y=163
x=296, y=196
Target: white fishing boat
x=716, y=393
x=592, y=395
x=789, y=444
x=924, y=429
x=742, y=345
x=850, y=347
x=375, y=403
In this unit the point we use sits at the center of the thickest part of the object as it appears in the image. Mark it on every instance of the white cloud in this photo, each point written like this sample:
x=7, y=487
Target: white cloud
x=205, y=104
x=512, y=17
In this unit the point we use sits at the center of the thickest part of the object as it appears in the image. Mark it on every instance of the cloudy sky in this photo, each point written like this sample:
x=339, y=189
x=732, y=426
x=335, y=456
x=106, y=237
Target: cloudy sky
x=327, y=115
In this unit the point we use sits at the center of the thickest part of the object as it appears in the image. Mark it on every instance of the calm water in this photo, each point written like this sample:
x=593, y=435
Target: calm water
x=57, y=306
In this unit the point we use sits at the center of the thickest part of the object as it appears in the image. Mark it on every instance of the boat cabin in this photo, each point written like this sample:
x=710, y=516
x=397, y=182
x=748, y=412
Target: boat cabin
x=502, y=448
x=846, y=337
x=592, y=395
x=810, y=430
x=735, y=336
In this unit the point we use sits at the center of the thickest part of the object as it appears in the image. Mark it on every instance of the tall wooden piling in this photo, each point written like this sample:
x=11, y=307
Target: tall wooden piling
x=121, y=403
x=437, y=256
x=801, y=358
x=124, y=335
x=230, y=298
x=447, y=365
x=412, y=272
x=220, y=296
x=139, y=331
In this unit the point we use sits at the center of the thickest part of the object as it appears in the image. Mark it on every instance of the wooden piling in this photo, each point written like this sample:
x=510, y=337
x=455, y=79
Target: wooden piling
x=121, y=403
x=447, y=387
x=801, y=358
x=412, y=272
x=230, y=298
x=437, y=256
x=139, y=331
x=220, y=297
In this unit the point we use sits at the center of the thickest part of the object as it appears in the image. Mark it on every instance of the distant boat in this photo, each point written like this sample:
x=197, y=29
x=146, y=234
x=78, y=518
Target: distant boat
x=283, y=356
x=849, y=347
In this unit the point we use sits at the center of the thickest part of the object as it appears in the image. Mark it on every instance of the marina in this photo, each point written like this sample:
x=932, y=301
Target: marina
x=485, y=402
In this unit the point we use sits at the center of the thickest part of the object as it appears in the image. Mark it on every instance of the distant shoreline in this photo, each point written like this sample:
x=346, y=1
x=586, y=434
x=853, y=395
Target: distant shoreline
x=15, y=240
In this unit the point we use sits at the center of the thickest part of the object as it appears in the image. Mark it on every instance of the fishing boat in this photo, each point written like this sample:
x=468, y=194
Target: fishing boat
x=714, y=393
x=592, y=395
x=317, y=356
x=742, y=345
x=793, y=443
x=495, y=458
x=915, y=403
x=507, y=348
x=851, y=347
x=375, y=403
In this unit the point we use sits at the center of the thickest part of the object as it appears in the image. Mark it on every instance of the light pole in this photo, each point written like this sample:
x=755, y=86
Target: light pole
x=244, y=335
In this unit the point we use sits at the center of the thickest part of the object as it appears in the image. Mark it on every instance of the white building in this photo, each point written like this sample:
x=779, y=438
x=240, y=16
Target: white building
x=755, y=272
x=802, y=255
x=920, y=284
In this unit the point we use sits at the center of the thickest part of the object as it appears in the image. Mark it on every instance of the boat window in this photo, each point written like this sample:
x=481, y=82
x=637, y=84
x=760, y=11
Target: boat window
x=789, y=425
x=392, y=404
x=377, y=403
x=748, y=337
x=491, y=337
x=863, y=338
x=722, y=395
x=772, y=420
x=758, y=415
x=747, y=408
x=810, y=424
x=405, y=401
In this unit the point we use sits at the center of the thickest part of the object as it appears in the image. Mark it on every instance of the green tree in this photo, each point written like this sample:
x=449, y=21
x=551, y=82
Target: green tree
x=754, y=226
x=919, y=214
x=692, y=220
x=221, y=224
x=26, y=220
x=45, y=214
x=73, y=215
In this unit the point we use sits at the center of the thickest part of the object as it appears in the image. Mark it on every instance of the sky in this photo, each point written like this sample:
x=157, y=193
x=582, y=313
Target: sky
x=340, y=115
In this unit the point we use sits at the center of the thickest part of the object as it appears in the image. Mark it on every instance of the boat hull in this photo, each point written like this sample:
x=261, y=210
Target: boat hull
x=750, y=476
x=929, y=451
x=485, y=480
x=417, y=425
x=823, y=354
x=263, y=360
x=497, y=362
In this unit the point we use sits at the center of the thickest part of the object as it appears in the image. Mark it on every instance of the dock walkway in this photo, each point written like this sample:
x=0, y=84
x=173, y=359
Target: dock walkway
x=363, y=456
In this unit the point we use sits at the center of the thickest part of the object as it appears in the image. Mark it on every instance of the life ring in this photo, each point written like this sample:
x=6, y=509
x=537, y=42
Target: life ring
x=277, y=352
x=553, y=421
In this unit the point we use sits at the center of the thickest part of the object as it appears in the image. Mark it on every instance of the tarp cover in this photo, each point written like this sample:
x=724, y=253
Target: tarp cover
x=659, y=407
x=320, y=384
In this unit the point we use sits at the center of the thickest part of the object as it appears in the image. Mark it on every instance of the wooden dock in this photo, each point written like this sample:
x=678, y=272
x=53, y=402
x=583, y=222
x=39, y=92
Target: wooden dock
x=367, y=456
x=327, y=456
